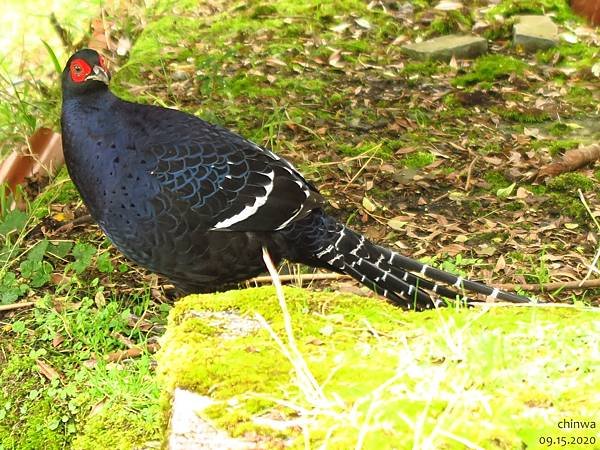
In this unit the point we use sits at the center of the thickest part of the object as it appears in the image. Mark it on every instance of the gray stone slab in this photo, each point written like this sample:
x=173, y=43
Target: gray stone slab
x=444, y=47
x=534, y=33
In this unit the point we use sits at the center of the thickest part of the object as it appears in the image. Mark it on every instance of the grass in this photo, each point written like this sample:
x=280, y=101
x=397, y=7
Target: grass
x=385, y=376
x=490, y=68
x=577, y=55
x=558, y=8
x=264, y=69
x=87, y=398
x=418, y=160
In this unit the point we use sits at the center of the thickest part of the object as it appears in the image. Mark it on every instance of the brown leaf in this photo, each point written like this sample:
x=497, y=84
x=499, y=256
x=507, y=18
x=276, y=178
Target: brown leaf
x=134, y=352
x=47, y=370
x=44, y=156
x=500, y=264
x=57, y=340
x=315, y=341
x=570, y=161
x=396, y=223
x=99, y=40
x=59, y=278
x=405, y=150
x=335, y=59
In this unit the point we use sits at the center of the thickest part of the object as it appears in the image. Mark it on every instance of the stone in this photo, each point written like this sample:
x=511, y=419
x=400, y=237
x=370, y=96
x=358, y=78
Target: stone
x=444, y=47
x=533, y=33
x=188, y=431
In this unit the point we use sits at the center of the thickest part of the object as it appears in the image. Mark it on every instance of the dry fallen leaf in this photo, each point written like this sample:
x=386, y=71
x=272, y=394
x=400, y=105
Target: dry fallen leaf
x=363, y=23
x=335, y=60
x=368, y=204
x=396, y=224
x=448, y=5
x=100, y=37
x=44, y=156
x=341, y=27
x=47, y=370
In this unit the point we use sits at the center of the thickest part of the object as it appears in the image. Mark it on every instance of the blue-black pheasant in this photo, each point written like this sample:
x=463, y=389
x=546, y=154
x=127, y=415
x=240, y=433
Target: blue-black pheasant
x=197, y=203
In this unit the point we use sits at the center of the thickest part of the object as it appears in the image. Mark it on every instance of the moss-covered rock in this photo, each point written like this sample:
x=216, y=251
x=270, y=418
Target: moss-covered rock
x=381, y=376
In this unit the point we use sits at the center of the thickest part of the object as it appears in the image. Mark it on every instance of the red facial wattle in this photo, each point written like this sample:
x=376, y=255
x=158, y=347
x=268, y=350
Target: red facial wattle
x=79, y=70
x=102, y=62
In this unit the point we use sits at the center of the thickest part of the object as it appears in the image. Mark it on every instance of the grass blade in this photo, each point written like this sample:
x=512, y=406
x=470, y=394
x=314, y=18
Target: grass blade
x=53, y=57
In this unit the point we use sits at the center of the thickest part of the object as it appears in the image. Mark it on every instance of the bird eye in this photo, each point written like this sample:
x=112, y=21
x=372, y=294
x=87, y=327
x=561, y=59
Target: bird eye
x=79, y=70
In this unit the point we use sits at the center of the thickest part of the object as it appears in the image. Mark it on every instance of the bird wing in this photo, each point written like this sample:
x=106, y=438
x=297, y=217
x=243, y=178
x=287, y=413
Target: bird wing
x=232, y=182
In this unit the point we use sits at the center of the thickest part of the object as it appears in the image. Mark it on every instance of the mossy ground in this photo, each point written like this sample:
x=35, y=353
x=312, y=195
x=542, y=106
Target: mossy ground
x=389, y=379
x=52, y=394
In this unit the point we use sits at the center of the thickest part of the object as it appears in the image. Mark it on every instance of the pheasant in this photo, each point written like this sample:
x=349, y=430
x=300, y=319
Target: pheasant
x=197, y=203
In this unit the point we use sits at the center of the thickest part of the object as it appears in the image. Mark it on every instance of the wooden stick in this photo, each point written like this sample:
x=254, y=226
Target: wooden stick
x=16, y=306
x=133, y=352
x=301, y=277
x=86, y=218
x=564, y=285
x=533, y=287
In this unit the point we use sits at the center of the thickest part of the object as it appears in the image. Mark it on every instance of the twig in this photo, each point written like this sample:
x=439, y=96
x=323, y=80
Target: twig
x=13, y=306
x=86, y=218
x=592, y=267
x=131, y=352
x=534, y=287
x=469, y=171
x=587, y=208
x=342, y=161
x=376, y=147
x=540, y=287
x=300, y=277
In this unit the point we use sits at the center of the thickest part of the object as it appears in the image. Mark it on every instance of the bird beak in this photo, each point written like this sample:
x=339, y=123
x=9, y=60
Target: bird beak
x=99, y=75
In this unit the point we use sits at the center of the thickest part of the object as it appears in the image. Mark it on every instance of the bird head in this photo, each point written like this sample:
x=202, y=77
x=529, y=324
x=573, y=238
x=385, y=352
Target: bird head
x=84, y=72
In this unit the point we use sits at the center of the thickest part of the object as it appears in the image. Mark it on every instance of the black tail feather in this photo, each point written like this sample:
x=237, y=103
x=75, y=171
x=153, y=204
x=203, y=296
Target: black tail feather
x=453, y=280
x=406, y=282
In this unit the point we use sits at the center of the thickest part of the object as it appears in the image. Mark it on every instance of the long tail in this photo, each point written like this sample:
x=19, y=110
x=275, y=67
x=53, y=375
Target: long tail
x=406, y=282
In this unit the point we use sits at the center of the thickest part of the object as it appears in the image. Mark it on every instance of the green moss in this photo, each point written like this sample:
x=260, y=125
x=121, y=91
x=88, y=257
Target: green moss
x=530, y=115
x=421, y=116
x=490, y=148
x=99, y=430
x=559, y=129
x=577, y=55
x=560, y=9
x=381, y=149
x=496, y=180
x=36, y=413
x=451, y=22
x=424, y=68
x=368, y=377
x=162, y=41
x=581, y=97
x=499, y=29
x=571, y=182
x=537, y=189
x=556, y=147
x=29, y=420
x=418, y=159
x=490, y=68
x=567, y=205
